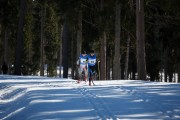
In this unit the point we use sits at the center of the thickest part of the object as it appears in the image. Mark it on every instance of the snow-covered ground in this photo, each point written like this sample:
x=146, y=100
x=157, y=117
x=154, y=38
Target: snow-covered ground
x=42, y=98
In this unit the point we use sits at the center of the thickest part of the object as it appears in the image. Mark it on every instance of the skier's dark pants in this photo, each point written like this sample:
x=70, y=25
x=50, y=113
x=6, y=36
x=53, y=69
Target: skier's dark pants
x=91, y=69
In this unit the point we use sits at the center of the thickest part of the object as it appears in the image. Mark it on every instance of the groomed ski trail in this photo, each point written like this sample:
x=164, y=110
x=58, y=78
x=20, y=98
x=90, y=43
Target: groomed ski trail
x=102, y=110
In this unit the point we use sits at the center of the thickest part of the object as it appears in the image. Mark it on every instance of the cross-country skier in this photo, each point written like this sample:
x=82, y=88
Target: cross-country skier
x=92, y=65
x=82, y=63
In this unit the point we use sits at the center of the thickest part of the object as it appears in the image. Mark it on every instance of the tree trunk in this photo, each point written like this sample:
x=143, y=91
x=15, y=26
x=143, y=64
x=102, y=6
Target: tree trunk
x=42, y=41
x=79, y=35
x=116, y=62
x=170, y=77
x=161, y=53
x=165, y=66
x=178, y=68
x=134, y=70
x=60, y=60
x=108, y=69
x=60, y=52
x=1, y=46
x=178, y=79
x=102, y=44
x=19, y=43
x=127, y=58
x=79, y=42
x=103, y=56
x=65, y=48
x=140, y=41
x=73, y=55
x=5, y=47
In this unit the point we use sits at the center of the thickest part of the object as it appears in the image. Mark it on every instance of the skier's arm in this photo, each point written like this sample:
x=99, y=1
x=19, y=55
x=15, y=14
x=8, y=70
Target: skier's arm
x=86, y=63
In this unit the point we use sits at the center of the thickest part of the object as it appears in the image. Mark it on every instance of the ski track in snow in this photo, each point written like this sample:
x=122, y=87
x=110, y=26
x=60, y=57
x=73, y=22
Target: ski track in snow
x=14, y=97
x=102, y=110
x=141, y=96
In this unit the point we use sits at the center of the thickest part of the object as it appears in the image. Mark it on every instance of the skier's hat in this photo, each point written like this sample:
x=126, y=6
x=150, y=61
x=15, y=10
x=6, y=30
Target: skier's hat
x=91, y=51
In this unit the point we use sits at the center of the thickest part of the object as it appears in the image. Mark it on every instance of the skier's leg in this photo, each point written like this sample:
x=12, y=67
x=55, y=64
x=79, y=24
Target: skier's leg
x=93, y=74
x=90, y=76
x=80, y=73
x=90, y=79
x=85, y=74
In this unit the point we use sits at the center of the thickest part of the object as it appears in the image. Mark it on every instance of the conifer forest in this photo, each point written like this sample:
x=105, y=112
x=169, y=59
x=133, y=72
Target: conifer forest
x=133, y=39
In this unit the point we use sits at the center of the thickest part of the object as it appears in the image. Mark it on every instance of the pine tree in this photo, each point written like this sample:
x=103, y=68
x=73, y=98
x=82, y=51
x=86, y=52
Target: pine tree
x=140, y=40
x=19, y=44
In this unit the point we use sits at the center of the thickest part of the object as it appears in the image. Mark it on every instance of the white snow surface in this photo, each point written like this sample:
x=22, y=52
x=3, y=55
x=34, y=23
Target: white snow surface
x=43, y=98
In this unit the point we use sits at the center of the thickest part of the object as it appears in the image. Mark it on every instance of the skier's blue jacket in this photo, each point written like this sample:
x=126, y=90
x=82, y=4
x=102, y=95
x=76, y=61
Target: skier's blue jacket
x=83, y=60
x=92, y=60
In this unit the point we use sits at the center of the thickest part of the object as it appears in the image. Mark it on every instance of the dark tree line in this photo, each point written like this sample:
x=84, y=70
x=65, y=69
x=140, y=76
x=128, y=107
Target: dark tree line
x=133, y=39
